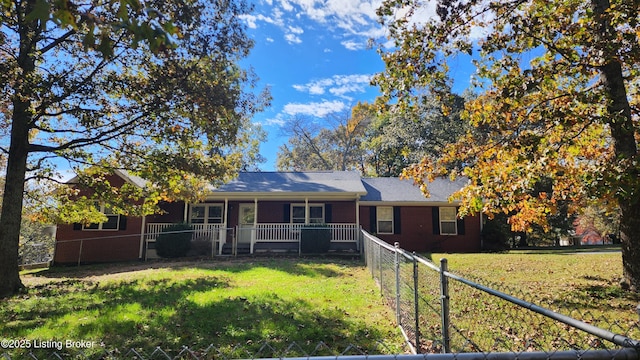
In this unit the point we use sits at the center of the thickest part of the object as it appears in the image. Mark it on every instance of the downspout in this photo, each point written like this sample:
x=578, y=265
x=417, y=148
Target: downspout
x=357, y=231
x=481, y=228
x=186, y=212
x=358, y=211
x=142, y=234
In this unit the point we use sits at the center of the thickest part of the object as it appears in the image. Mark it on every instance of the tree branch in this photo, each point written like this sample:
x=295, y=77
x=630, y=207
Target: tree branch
x=100, y=137
x=57, y=41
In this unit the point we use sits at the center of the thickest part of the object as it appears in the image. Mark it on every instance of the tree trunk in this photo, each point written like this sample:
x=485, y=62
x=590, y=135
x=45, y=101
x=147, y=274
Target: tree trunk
x=21, y=122
x=12, y=201
x=624, y=145
x=629, y=225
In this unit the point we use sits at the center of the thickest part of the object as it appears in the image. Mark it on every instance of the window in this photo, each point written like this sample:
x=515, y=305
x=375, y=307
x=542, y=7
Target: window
x=448, y=221
x=316, y=213
x=384, y=216
x=112, y=223
x=206, y=214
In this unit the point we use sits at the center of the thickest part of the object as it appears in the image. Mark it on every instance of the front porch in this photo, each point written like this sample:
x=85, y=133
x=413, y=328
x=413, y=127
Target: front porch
x=218, y=239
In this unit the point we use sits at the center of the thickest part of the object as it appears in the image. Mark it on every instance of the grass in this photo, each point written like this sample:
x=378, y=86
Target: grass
x=585, y=286
x=240, y=305
x=233, y=305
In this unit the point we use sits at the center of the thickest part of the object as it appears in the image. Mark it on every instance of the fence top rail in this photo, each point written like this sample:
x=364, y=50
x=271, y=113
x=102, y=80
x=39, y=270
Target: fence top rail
x=427, y=262
x=594, y=330
x=383, y=244
x=617, y=339
x=617, y=354
x=406, y=254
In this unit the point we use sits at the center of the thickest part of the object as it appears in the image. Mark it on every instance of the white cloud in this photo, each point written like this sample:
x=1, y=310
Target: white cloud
x=277, y=121
x=317, y=109
x=292, y=39
x=352, y=16
x=286, y=5
x=353, y=45
x=291, y=34
x=338, y=85
x=250, y=20
x=295, y=30
x=348, y=17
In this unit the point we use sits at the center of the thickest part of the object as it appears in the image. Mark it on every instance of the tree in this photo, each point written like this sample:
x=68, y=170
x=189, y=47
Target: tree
x=152, y=87
x=314, y=147
x=558, y=84
x=400, y=136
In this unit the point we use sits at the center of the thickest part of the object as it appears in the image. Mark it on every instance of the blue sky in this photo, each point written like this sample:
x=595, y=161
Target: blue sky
x=313, y=55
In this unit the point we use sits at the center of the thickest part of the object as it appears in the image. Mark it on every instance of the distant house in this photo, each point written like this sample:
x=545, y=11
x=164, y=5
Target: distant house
x=265, y=212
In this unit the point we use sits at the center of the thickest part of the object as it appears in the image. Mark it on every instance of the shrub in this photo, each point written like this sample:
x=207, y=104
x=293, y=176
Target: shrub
x=495, y=235
x=315, y=239
x=175, y=241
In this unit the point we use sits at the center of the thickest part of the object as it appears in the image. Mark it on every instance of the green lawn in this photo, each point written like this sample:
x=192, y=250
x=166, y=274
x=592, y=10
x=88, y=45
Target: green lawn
x=584, y=286
x=240, y=305
x=236, y=305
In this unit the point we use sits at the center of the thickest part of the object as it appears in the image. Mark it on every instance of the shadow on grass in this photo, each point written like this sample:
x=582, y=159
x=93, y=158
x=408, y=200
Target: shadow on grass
x=293, y=265
x=170, y=313
x=583, y=299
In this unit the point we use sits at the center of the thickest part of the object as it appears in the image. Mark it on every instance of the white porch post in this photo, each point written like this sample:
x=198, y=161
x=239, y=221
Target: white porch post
x=306, y=211
x=223, y=230
x=226, y=212
x=255, y=223
x=186, y=212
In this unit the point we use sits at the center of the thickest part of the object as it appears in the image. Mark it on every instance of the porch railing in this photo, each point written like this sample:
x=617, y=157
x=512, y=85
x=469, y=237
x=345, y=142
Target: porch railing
x=260, y=233
x=291, y=232
x=214, y=233
x=199, y=230
x=344, y=232
x=277, y=232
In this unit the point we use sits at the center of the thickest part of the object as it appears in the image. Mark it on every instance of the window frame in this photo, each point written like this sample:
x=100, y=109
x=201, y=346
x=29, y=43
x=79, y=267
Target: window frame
x=206, y=219
x=447, y=220
x=380, y=219
x=304, y=220
x=100, y=206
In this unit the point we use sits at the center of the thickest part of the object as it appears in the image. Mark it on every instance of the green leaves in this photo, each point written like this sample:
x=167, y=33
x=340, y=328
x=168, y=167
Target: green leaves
x=543, y=110
x=40, y=11
x=150, y=87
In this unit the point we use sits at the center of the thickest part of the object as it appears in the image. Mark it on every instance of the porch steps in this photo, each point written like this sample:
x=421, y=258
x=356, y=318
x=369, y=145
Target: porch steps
x=243, y=249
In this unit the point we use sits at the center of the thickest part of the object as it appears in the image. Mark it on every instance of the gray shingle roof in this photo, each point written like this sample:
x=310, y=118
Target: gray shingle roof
x=295, y=182
x=124, y=174
x=397, y=190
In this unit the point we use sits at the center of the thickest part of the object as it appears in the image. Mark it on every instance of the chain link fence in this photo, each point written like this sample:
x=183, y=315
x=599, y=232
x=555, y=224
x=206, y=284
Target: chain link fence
x=442, y=315
x=441, y=312
x=259, y=350
x=296, y=351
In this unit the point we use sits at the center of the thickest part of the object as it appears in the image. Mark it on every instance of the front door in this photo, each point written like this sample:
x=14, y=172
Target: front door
x=246, y=220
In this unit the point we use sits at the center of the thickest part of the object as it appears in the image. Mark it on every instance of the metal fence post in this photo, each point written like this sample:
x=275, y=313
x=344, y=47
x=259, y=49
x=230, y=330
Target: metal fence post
x=380, y=270
x=415, y=300
x=397, y=270
x=444, y=303
x=80, y=252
